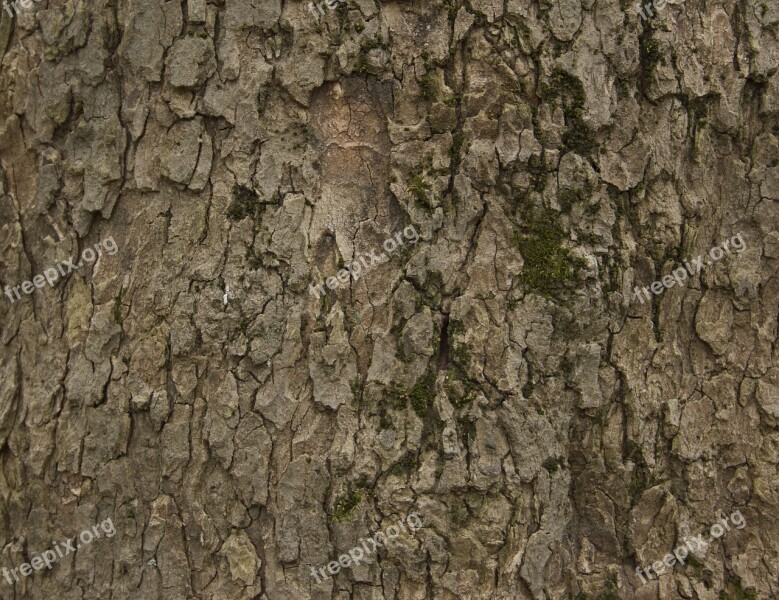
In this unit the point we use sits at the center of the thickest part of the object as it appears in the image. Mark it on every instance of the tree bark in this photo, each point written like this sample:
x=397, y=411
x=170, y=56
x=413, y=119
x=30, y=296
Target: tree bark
x=371, y=264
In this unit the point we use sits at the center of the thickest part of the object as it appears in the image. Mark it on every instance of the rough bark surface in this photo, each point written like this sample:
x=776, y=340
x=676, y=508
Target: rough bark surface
x=498, y=377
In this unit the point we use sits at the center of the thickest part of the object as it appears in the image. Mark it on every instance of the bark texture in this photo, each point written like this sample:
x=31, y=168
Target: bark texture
x=498, y=377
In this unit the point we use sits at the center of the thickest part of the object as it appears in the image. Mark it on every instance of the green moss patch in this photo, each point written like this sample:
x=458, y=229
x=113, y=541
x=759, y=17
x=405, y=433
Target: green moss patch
x=569, y=90
x=245, y=203
x=458, y=351
x=641, y=480
x=580, y=138
x=346, y=505
x=421, y=396
x=456, y=382
x=549, y=267
x=450, y=6
x=406, y=465
x=429, y=86
x=116, y=311
x=734, y=591
x=552, y=463
x=420, y=190
x=566, y=87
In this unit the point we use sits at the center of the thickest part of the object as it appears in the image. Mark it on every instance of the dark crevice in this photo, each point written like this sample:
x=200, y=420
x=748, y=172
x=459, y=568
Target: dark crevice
x=443, y=345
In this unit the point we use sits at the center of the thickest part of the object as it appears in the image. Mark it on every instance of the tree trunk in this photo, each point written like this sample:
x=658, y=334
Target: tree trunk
x=494, y=280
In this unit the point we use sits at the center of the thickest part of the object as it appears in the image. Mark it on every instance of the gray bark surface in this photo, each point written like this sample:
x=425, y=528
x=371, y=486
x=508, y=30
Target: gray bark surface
x=498, y=377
